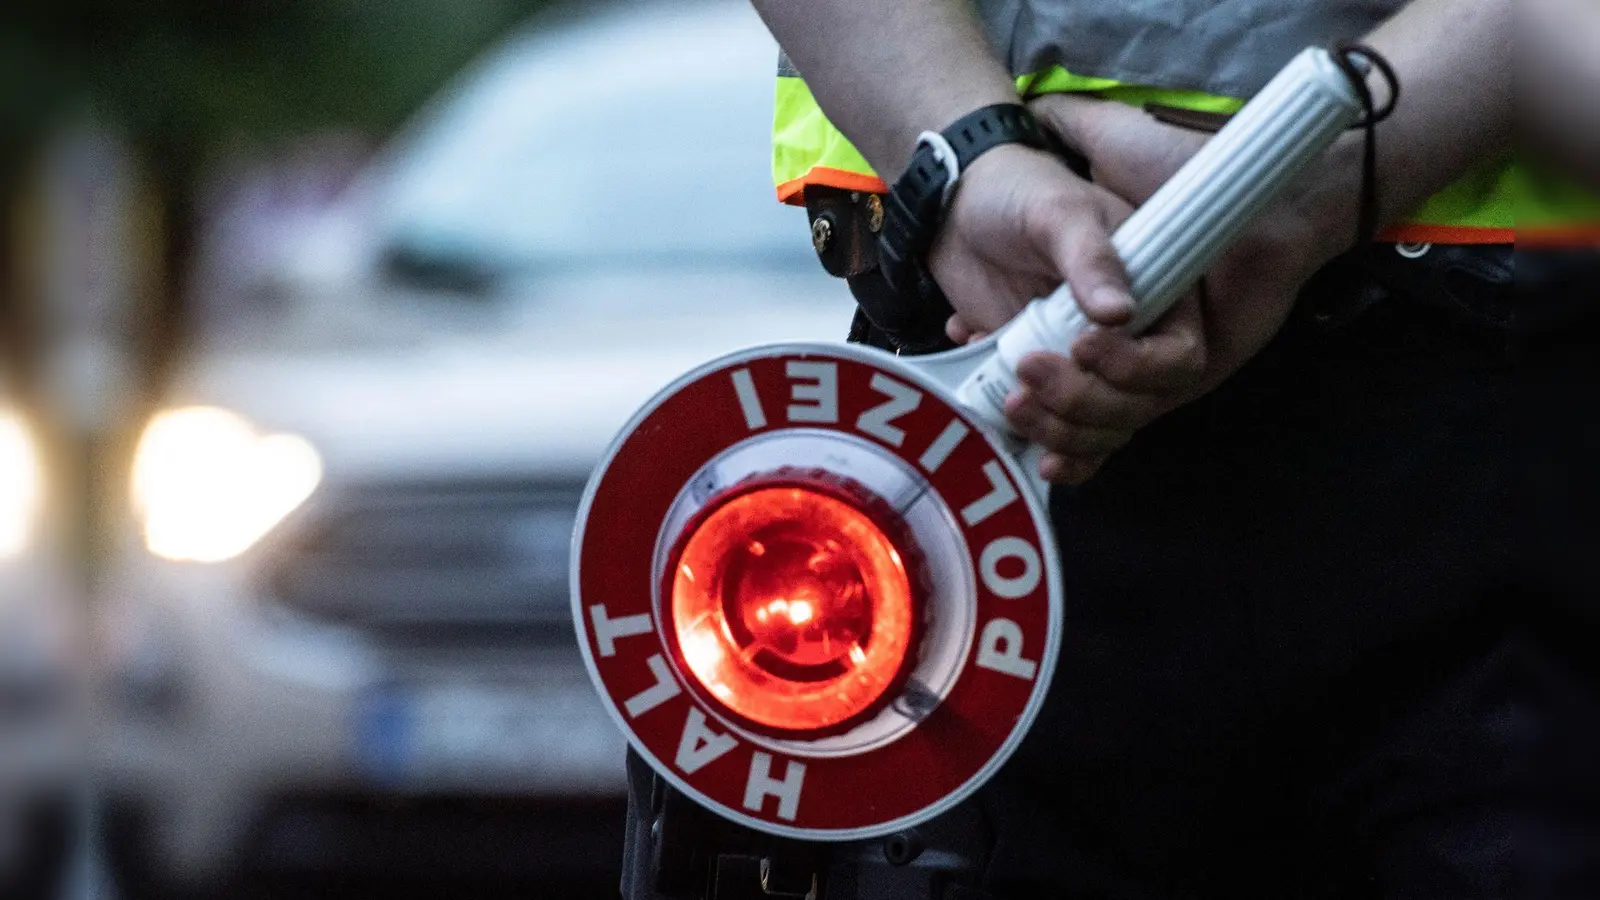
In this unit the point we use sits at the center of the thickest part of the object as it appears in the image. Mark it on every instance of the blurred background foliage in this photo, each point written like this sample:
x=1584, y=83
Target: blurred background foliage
x=184, y=82
x=192, y=74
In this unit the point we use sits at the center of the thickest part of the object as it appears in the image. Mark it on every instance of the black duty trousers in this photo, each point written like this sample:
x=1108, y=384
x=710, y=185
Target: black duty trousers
x=1332, y=630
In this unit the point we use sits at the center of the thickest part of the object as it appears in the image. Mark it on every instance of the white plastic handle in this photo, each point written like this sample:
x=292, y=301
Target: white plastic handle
x=1170, y=241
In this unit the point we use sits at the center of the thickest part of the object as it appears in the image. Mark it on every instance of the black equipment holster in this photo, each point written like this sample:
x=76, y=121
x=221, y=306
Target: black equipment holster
x=844, y=232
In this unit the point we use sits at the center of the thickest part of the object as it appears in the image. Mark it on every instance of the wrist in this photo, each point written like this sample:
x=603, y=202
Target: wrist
x=920, y=198
x=1326, y=202
x=936, y=111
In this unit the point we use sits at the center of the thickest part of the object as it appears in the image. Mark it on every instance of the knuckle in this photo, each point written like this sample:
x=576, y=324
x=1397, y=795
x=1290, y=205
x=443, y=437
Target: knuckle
x=1024, y=416
x=1052, y=378
x=1188, y=357
x=1098, y=251
x=1070, y=396
x=1056, y=207
x=1042, y=215
x=1051, y=435
x=1075, y=403
x=1191, y=348
x=1122, y=370
x=1089, y=239
x=1061, y=439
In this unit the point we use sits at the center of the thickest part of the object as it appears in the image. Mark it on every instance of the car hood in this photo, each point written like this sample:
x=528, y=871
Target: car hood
x=550, y=404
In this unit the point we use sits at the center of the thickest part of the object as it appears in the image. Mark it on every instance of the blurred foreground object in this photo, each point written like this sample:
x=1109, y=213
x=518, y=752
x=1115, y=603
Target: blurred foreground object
x=1558, y=83
x=336, y=630
x=21, y=486
x=40, y=744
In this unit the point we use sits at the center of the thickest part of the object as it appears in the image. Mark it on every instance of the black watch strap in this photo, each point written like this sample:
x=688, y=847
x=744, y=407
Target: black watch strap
x=915, y=206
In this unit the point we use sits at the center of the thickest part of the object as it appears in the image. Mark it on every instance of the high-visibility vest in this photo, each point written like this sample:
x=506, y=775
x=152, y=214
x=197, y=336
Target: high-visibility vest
x=1502, y=201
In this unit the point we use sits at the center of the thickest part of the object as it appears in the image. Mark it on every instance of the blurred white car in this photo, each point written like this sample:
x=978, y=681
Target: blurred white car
x=338, y=633
x=40, y=678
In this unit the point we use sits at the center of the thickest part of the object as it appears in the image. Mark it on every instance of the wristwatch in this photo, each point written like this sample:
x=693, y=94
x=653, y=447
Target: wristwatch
x=916, y=205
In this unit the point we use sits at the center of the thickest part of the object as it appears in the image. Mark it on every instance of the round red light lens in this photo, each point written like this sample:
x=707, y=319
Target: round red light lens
x=792, y=607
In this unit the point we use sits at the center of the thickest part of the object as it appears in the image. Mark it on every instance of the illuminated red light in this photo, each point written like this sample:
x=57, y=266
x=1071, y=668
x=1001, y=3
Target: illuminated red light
x=793, y=608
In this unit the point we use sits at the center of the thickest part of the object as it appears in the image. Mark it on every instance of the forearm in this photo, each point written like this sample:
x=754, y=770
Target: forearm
x=1454, y=64
x=886, y=70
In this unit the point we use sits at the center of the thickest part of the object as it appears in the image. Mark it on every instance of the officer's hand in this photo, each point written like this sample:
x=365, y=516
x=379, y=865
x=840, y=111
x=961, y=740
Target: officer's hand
x=1022, y=223
x=1084, y=408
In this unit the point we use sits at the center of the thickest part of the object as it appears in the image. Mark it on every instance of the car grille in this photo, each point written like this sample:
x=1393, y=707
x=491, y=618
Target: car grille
x=431, y=558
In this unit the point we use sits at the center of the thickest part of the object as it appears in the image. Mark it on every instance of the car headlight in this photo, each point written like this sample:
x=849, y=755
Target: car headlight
x=20, y=485
x=208, y=484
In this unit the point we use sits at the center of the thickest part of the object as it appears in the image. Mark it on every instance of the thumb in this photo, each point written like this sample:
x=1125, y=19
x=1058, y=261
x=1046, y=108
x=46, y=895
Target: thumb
x=1074, y=231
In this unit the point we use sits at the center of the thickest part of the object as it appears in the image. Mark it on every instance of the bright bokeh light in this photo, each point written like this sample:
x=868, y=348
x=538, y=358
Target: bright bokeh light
x=793, y=608
x=21, y=488
x=208, y=485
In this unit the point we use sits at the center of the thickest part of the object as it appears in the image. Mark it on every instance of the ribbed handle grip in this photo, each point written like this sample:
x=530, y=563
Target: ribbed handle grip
x=1175, y=236
x=1170, y=241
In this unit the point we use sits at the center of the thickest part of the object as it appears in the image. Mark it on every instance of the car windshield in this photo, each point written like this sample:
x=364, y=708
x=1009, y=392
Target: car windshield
x=533, y=169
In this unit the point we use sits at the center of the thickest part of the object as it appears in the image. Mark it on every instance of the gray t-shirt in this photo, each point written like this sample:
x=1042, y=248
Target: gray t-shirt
x=1229, y=47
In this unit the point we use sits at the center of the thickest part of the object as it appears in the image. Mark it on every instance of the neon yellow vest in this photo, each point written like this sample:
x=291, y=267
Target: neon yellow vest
x=1494, y=204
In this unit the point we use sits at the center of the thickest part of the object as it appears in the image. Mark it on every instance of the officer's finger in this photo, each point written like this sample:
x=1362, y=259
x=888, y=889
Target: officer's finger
x=1071, y=222
x=1059, y=435
x=1169, y=359
x=1068, y=391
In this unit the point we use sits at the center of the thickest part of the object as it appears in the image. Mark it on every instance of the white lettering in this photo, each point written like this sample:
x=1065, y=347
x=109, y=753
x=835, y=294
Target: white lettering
x=607, y=630
x=651, y=697
x=762, y=785
x=1000, y=650
x=943, y=445
x=1000, y=495
x=1005, y=548
x=749, y=402
x=814, y=388
x=699, y=744
x=902, y=399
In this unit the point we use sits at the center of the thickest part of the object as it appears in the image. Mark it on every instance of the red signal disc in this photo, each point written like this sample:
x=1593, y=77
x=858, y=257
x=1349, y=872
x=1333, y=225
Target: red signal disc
x=978, y=663
x=792, y=607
